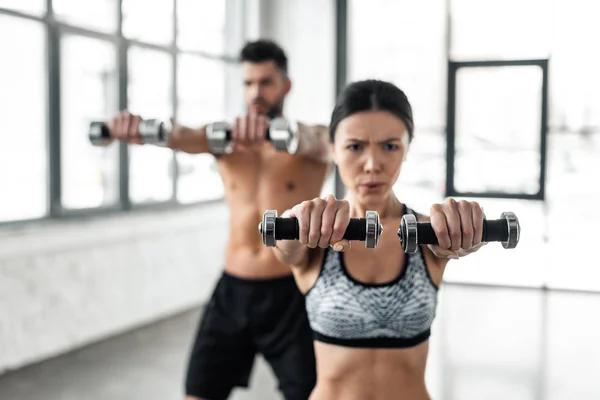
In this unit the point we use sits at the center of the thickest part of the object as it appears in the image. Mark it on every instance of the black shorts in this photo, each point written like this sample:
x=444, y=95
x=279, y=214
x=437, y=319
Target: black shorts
x=246, y=317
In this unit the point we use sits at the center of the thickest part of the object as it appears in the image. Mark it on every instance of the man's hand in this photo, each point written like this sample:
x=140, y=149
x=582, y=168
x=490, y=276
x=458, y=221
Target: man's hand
x=125, y=127
x=249, y=131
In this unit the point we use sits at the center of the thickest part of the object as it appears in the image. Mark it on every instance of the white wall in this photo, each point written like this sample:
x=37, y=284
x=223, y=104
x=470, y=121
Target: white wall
x=306, y=31
x=70, y=283
x=66, y=284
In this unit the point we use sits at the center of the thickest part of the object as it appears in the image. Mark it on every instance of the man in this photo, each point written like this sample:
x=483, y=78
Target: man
x=256, y=306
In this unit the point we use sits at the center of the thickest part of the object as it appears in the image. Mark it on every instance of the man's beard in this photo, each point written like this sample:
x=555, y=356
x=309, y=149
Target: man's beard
x=273, y=110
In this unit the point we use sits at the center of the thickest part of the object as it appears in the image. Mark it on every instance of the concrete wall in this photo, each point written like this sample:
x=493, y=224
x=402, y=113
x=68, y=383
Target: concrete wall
x=70, y=283
x=65, y=284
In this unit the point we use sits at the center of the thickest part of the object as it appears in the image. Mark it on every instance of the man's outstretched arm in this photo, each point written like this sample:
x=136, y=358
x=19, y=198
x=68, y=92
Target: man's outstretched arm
x=313, y=142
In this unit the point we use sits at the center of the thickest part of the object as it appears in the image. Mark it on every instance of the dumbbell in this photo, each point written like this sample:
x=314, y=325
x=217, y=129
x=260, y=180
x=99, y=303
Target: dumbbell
x=273, y=228
x=506, y=229
x=152, y=131
x=281, y=133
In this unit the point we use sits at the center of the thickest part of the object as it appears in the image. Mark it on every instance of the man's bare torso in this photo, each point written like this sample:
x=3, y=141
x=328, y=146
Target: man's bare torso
x=255, y=181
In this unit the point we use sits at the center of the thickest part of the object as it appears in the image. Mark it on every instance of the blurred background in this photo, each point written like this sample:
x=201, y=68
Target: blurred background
x=108, y=254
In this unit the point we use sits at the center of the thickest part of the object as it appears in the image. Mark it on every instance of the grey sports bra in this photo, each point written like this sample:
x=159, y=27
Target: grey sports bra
x=347, y=312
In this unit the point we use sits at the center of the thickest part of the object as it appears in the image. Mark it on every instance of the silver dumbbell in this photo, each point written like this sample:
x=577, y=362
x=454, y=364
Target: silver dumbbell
x=152, y=131
x=281, y=133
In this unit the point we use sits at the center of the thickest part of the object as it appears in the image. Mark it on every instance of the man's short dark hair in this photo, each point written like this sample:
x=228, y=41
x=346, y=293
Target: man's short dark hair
x=263, y=50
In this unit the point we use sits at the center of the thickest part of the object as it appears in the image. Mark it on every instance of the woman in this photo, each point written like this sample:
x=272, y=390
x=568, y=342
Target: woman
x=371, y=309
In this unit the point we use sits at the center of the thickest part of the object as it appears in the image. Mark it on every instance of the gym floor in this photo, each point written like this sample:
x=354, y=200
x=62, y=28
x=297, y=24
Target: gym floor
x=488, y=343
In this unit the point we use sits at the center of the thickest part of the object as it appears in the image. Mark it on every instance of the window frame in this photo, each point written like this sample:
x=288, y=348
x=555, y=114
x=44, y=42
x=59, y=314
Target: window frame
x=55, y=30
x=453, y=68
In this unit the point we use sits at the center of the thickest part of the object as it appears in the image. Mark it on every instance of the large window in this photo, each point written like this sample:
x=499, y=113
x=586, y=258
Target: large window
x=150, y=21
x=34, y=7
x=90, y=175
x=150, y=96
x=84, y=61
x=201, y=100
x=410, y=43
x=403, y=42
x=99, y=15
x=23, y=149
x=211, y=29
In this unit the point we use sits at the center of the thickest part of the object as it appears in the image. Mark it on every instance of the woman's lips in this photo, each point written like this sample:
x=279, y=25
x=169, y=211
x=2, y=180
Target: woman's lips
x=371, y=187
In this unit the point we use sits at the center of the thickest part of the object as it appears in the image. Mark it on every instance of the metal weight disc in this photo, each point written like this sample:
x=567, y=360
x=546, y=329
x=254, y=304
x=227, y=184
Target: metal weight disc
x=408, y=233
x=151, y=131
x=99, y=134
x=267, y=228
x=216, y=134
x=284, y=135
x=374, y=229
x=514, y=230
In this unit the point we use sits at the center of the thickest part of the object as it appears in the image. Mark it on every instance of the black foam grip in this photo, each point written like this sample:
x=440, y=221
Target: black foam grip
x=288, y=229
x=228, y=134
x=495, y=230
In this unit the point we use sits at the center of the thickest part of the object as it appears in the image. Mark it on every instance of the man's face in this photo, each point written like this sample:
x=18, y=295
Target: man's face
x=265, y=87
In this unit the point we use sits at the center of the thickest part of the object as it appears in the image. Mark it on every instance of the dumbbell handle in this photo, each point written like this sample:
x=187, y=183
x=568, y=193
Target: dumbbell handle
x=151, y=131
x=228, y=134
x=495, y=230
x=288, y=229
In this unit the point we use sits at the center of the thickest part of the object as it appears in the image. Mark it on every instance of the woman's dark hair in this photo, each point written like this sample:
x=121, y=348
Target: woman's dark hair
x=369, y=95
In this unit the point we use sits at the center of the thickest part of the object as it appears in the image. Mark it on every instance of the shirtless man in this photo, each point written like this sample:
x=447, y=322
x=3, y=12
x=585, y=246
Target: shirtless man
x=256, y=306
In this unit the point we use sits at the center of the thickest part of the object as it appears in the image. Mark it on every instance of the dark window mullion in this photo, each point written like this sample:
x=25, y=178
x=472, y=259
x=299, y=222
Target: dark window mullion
x=341, y=71
x=123, y=78
x=53, y=109
x=174, y=99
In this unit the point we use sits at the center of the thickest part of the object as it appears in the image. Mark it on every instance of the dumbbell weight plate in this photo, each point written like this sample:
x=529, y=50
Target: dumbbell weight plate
x=267, y=228
x=99, y=134
x=283, y=135
x=514, y=230
x=154, y=131
x=374, y=229
x=409, y=239
x=217, y=136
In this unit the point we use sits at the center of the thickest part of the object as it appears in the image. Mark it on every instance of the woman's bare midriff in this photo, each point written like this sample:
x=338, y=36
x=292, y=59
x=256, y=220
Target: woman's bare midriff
x=370, y=374
x=259, y=181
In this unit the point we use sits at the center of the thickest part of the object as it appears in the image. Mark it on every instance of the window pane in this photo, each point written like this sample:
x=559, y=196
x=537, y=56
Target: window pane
x=200, y=101
x=88, y=92
x=200, y=89
x=93, y=14
x=498, y=117
x=573, y=73
x=35, y=7
x=149, y=88
x=382, y=45
x=23, y=153
x=149, y=21
x=423, y=177
x=493, y=30
x=208, y=36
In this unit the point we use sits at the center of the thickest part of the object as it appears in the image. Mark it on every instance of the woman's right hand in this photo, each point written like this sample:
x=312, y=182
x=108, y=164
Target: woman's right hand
x=322, y=222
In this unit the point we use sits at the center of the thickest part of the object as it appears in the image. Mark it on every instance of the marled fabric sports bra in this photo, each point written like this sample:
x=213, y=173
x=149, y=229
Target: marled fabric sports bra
x=347, y=312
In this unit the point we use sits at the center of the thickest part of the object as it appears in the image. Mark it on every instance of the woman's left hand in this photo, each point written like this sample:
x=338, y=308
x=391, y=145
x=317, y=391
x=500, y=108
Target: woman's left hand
x=458, y=227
